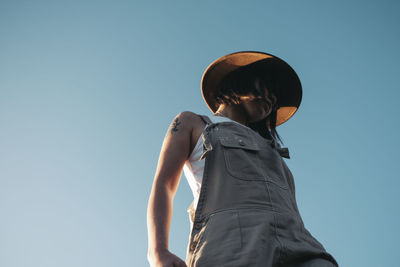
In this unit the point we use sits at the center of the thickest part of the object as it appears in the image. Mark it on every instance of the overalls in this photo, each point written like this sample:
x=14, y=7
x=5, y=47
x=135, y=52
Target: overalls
x=247, y=213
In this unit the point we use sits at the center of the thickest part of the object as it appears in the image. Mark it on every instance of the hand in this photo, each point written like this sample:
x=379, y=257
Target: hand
x=165, y=259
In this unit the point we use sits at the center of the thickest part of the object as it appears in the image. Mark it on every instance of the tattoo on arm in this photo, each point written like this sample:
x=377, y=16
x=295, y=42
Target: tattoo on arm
x=174, y=126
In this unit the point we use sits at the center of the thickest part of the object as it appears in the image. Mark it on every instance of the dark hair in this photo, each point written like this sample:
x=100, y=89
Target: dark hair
x=247, y=82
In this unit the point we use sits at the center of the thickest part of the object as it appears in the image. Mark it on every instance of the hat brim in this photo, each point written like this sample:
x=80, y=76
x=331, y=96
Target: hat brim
x=288, y=91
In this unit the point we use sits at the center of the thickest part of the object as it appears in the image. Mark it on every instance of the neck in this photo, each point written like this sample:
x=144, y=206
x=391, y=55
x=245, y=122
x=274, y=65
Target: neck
x=234, y=112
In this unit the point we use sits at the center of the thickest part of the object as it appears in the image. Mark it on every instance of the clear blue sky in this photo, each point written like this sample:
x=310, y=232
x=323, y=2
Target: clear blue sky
x=89, y=88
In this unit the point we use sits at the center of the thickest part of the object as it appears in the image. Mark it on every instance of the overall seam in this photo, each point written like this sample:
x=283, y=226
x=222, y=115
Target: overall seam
x=202, y=198
x=275, y=220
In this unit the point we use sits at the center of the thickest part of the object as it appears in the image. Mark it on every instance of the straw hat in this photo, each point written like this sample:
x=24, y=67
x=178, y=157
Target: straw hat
x=288, y=91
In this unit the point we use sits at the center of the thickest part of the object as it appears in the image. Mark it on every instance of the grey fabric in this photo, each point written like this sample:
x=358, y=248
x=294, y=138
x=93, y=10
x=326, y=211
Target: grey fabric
x=247, y=213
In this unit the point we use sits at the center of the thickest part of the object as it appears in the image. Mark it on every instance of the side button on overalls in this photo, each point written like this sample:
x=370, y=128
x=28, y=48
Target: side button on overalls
x=247, y=213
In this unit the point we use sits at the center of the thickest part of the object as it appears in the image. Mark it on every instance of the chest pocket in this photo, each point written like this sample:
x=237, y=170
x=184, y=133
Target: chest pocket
x=247, y=160
x=242, y=158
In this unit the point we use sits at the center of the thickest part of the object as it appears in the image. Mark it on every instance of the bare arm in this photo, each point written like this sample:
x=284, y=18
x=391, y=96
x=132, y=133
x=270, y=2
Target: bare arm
x=174, y=152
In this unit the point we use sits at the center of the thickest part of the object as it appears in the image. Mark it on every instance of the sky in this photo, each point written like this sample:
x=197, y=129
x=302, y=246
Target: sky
x=88, y=90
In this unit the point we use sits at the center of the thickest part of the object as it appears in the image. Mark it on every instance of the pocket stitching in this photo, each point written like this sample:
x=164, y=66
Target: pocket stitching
x=230, y=145
x=236, y=174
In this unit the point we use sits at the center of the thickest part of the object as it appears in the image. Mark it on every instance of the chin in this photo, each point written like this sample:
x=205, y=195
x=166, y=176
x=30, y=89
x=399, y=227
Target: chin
x=262, y=116
x=258, y=118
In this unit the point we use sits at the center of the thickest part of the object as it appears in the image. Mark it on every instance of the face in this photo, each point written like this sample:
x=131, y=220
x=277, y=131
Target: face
x=256, y=108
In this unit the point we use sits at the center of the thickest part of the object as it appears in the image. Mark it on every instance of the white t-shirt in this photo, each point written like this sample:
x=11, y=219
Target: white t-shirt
x=194, y=167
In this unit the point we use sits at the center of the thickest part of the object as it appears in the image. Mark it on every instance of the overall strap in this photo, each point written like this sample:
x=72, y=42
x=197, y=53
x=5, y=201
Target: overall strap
x=283, y=151
x=207, y=147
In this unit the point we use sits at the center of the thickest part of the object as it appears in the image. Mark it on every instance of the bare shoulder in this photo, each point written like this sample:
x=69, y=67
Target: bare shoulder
x=196, y=125
x=195, y=121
